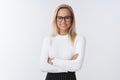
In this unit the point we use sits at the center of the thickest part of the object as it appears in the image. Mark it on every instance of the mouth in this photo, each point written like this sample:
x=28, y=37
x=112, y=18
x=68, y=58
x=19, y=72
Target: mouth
x=63, y=25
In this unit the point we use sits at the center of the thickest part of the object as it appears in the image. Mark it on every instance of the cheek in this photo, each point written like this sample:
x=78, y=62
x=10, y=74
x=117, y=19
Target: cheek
x=58, y=24
x=69, y=24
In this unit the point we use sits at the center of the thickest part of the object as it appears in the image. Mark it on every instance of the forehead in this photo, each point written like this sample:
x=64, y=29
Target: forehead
x=64, y=12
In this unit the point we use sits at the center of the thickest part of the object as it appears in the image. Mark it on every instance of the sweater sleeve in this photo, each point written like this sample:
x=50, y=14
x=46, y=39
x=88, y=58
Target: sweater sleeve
x=73, y=65
x=44, y=66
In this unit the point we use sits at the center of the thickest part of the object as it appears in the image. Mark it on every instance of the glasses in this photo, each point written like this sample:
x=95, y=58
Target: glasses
x=66, y=18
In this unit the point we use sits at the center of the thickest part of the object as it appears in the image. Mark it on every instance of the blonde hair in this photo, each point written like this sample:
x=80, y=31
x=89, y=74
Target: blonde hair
x=72, y=31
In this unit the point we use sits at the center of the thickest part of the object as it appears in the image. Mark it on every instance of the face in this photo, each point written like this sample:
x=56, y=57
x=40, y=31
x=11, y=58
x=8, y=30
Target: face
x=64, y=20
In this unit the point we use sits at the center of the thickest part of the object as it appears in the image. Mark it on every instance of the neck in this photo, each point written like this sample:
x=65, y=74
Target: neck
x=63, y=32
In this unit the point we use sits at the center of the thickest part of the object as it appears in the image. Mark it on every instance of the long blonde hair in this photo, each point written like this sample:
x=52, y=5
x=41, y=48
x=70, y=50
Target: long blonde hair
x=72, y=31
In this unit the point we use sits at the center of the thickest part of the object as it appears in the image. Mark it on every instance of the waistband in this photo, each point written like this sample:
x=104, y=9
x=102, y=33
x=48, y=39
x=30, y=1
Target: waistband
x=63, y=73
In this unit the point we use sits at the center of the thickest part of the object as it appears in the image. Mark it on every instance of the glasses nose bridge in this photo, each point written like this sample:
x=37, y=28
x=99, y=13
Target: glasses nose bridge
x=64, y=18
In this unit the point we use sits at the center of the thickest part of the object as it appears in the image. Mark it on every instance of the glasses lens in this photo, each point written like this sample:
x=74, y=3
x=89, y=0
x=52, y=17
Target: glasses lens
x=59, y=18
x=66, y=18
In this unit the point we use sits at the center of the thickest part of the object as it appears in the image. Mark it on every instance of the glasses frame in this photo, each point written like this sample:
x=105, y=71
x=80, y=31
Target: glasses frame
x=66, y=18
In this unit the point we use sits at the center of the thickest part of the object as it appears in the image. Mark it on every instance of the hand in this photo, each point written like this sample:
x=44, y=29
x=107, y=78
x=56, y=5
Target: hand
x=74, y=57
x=50, y=60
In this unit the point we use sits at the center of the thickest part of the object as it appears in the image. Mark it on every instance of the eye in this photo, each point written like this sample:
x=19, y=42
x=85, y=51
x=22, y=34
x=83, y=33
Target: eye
x=59, y=17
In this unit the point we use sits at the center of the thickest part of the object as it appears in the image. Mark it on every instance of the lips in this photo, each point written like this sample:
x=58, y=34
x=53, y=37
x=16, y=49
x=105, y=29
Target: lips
x=63, y=25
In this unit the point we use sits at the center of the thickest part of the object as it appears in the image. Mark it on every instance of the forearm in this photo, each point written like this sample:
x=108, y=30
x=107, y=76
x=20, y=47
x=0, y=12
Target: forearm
x=69, y=65
x=45, y=67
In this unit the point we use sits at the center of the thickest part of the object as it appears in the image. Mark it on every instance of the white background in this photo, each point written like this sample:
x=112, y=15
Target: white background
x=24, y=24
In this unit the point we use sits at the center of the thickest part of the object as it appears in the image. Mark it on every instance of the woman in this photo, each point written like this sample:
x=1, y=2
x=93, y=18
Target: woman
x=62, y=52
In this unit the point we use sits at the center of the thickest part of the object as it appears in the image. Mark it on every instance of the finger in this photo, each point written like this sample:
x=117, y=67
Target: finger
x=74, y=57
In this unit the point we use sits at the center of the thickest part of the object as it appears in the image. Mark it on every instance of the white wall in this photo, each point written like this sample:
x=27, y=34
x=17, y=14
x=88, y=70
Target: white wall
x=24, y=24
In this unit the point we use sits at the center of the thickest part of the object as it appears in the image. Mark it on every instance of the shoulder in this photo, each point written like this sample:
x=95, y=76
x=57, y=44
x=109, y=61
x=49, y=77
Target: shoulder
x=47, y=39
x=80, y=41
x=80, y=37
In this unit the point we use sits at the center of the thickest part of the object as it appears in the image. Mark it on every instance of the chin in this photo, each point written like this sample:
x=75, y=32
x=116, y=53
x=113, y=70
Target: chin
x=63, y=28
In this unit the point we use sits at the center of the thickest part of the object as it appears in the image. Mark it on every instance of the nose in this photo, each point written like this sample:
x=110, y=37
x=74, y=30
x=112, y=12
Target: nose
x=63, y=20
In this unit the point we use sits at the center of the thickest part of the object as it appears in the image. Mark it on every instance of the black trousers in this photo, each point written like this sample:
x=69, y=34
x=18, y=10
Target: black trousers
x=61, y=76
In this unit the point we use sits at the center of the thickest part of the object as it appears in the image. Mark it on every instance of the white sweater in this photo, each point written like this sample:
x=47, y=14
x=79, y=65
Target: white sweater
x=61, y=49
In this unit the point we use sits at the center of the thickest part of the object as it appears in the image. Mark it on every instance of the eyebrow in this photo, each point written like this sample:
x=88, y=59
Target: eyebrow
x=64, y=16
